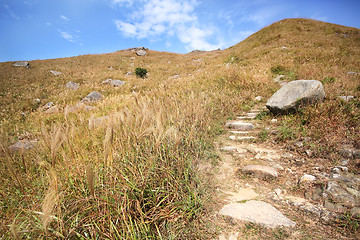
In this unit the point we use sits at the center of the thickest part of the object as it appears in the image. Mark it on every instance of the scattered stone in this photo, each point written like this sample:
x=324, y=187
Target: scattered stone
x=355, y=211
x=47, y=106
x=129, y=73
x=93, y=97
x=355, y=73
x=356, y=154
x=309, y=153
x=23, y=145
x=339, y=194
x=307, y=178
x=317, y=194
x=240, y=125
x=299, y=144
x=283, y=47
x=274, y=120
x=279, y=78
x=228, y=148
x=72, y=86
x=257, y=212
x=174, y=77
x=22, y=64
x=334, y=207
x=56, y=73
x=258, y=98
x=336, y=170
x=346, y=98
x=114, y=83
x=296, y=201
x=260, y=170
x=289, y=97
x=141, y=52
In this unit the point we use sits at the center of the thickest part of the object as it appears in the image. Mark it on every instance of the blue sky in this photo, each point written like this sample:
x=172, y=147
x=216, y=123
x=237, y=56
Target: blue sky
x=42, y=29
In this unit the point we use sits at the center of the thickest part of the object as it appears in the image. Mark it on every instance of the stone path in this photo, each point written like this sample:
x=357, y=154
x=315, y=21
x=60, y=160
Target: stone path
x=255, y=181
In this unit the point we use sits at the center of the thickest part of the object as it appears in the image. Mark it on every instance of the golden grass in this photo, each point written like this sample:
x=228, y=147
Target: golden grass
x=128, y=170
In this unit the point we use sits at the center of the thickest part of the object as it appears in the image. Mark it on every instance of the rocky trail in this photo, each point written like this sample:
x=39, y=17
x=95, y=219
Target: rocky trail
x=276, y=189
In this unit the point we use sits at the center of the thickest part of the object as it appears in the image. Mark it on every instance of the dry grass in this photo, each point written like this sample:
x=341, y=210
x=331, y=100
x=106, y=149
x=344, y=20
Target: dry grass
x=132, y=174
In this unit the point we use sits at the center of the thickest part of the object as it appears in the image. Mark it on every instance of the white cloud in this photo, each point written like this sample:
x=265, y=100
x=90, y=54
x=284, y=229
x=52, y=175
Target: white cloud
x=64, y=18
x=167, y=18
x=127, y=28
x=67, y=36
x=121, y=2
x=12, y=14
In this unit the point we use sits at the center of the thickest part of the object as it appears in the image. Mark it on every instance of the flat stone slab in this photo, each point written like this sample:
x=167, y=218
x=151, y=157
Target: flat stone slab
x=21, y=64
x=242, y=139
x=257, y=212
x=243, y=194
x=260, y=170
x=239, y=125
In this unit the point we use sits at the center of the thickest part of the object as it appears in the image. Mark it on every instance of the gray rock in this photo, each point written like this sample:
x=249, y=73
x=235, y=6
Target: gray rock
x=72, y=86
x=260, y=170
x=340, y=195
x=239, y=125
x=257, y=212
x=129, y=73
x=355, y=212
x=22, y=64
x=335, y=207
x=114, y=83
x=355, y=73
x=117, y=83
x=23, y=145
x=242, y=139
x=47, y=106
x=141, y=52
x=56, y=73
x=346, y=98
x=258, y=98
x=93, y=97
x=289, y=97
x=307, y=178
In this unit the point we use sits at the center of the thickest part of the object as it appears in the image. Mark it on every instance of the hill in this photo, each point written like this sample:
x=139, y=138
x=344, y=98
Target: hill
x=128, y=166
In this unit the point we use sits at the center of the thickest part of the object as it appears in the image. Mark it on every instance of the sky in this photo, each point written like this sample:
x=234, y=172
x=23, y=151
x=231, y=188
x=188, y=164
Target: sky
x=45, y=29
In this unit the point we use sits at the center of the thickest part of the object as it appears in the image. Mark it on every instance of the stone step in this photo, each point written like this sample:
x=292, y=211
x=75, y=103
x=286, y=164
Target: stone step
x=242, y=139
x=239, y=125
x=257, y=212
x=260, y=170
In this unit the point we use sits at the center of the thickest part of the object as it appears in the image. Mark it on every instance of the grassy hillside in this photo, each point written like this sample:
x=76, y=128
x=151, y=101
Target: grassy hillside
x=135, y=176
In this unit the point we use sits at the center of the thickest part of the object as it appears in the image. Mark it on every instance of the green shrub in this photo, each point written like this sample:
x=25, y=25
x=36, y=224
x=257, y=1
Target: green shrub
x=141, y=72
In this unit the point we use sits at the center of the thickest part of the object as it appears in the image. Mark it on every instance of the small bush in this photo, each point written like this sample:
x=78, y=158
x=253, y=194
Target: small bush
x=328, y=80
x=278, y=69
x=141, y=72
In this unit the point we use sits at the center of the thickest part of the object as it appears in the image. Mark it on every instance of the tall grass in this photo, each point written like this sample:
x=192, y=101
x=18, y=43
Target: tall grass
x=128, y=170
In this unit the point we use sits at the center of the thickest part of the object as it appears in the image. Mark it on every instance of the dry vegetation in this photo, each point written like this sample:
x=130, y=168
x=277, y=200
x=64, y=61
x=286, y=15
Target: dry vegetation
x=135, y=177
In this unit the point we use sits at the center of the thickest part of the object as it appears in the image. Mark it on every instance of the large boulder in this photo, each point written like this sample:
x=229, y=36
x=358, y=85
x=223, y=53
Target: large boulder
x=295, y=93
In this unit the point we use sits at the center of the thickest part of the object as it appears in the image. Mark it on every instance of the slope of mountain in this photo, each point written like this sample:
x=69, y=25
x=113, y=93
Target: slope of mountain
x=127, y=166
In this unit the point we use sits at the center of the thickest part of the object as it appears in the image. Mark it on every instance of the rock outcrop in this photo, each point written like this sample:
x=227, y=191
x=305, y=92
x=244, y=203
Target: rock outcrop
x=301, y=92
